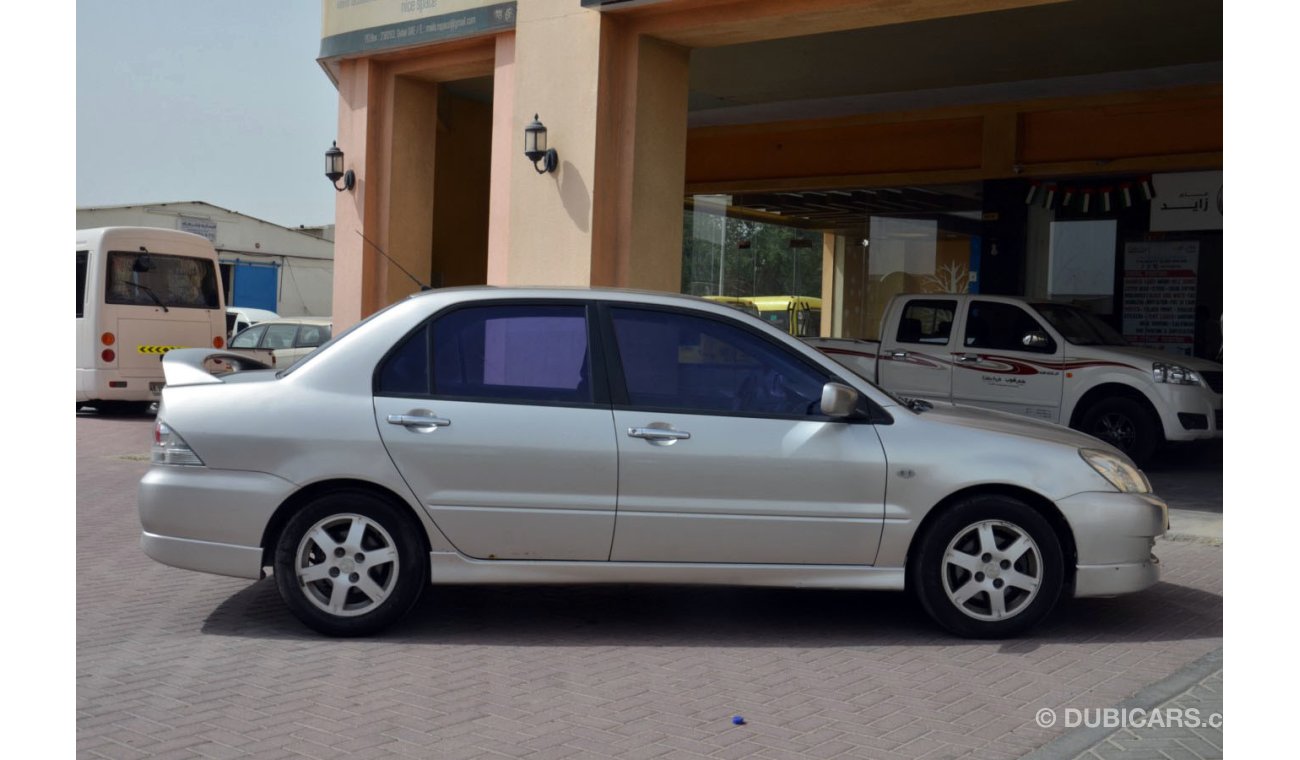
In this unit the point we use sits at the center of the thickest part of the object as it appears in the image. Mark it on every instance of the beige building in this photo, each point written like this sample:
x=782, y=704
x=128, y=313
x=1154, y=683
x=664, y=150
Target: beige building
x=845, y=149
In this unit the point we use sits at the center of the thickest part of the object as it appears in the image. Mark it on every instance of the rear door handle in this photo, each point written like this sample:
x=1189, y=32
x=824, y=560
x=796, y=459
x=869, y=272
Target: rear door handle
x=422, y=423
x=654, y=434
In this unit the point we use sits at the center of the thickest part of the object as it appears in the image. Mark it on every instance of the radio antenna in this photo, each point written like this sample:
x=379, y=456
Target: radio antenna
x=394, y=262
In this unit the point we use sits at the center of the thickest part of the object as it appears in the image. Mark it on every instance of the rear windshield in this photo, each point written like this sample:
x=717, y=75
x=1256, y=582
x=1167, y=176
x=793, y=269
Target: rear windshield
x=159, y=279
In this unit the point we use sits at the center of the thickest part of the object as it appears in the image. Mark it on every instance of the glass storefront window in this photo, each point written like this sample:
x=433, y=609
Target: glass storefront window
x=727, y=254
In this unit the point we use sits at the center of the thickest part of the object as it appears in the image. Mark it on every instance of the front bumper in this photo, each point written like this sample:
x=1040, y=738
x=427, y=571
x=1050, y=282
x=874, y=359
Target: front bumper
x=208, y=520
x=1191, y=401
x=1113, y=536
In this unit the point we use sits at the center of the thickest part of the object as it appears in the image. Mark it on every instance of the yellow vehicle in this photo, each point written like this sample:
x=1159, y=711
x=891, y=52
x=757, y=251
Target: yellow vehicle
x=801, y=316
x=737, y=302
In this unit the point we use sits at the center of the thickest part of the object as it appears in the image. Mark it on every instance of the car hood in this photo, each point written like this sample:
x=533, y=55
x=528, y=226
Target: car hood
x=1012, y=424
x=1145, y=356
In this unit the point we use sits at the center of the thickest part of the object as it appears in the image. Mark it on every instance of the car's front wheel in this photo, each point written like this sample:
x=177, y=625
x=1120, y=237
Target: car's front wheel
x=350, y=564
x=989, y=566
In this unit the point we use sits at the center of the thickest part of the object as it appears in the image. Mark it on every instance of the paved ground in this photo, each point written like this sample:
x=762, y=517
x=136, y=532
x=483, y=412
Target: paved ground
x=174, y=664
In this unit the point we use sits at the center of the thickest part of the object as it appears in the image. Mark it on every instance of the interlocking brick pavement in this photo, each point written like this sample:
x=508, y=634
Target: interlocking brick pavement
x=174, y=664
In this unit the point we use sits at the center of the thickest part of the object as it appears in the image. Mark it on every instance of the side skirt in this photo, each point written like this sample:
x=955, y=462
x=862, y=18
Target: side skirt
x=447, y=568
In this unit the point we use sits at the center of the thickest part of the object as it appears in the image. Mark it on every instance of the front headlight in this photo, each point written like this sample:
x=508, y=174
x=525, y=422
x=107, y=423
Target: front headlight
x=1177, y=374
x=1119, y=472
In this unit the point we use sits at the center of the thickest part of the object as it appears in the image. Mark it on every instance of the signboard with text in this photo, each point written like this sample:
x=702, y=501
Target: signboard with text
x=359, y=26
x=1187, y=201
x=1160, y=294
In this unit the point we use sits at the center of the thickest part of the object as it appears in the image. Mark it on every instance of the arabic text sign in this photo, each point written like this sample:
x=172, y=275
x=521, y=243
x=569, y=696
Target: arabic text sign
x=356, y=26
x=1187, y=201
x=1160, y=294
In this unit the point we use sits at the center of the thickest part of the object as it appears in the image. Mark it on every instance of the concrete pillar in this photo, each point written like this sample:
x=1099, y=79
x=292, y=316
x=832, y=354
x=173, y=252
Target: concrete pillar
x=356, y=270
x=408, y=215
x=614, y=104
x=507, y=150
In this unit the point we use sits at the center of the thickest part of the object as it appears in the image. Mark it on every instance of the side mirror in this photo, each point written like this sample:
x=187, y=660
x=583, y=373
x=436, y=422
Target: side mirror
x=1035, y=339
x=838, y=400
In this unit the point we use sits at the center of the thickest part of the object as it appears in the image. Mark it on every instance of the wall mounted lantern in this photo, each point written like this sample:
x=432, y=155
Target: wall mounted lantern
x=334, y=169
x=535, y=147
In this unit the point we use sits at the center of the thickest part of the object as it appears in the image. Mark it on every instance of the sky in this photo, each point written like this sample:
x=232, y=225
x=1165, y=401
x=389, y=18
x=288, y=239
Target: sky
x=220, y=102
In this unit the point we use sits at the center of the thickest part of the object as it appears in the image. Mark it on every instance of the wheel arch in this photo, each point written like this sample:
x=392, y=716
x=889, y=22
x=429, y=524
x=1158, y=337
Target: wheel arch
x=1113, y=390
x=290, y=506
x=1044, y=505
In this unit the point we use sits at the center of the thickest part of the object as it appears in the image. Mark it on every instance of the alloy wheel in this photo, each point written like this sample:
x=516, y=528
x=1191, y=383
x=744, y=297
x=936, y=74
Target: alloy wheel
x=992, y=570
x=346, y=565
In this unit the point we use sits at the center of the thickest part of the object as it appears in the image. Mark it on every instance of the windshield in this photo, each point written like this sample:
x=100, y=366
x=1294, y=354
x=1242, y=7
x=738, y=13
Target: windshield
x=1079, y=327
x=157, y=279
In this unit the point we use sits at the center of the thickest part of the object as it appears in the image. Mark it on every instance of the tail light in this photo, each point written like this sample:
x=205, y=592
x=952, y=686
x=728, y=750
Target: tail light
x=169, y=448
x=108, y=339
x=218, y=342
x=108, y=355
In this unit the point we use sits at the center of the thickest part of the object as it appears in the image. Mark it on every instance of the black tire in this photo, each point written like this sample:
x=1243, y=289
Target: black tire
x=379, y=576
x=1125, y=424
x=940, y=582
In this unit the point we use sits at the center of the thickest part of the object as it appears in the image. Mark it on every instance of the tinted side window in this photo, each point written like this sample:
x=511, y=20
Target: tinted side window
x=310, y=336
x=81, y=282
x=927, y=322
x=513, y=353
x=248, y=338
x=678, y=361
x=279, y=336
x=1002, y=327
x=406, y=371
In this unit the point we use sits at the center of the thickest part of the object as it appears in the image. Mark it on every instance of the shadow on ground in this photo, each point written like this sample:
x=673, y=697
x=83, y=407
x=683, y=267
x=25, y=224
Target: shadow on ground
x=686, y=616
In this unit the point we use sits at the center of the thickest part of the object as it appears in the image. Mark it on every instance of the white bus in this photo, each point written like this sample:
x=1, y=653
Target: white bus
x=141, y=292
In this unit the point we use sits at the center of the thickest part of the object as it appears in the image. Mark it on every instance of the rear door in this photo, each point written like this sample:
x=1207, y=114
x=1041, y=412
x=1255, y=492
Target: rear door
x=724, y=455
x=499, y=421
x=914, y=357
x=1008, y=361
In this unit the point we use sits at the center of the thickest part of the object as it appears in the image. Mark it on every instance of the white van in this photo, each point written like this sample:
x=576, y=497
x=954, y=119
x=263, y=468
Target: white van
x=141, y=291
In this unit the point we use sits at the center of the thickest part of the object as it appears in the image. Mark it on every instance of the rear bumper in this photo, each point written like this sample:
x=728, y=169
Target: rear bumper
x=93, y=384
x=1113, y=535
x=204, y=556
x=208, y=520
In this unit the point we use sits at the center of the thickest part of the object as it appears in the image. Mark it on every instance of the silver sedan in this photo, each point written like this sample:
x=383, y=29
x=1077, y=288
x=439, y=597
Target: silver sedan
x=486, y=435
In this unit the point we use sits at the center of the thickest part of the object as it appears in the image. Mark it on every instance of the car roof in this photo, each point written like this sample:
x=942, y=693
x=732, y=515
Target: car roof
x=298, y=321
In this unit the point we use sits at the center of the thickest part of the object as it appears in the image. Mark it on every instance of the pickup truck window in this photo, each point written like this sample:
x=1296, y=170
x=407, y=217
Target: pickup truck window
x=926, y=321
x=1079, y=327
x=1003, y=327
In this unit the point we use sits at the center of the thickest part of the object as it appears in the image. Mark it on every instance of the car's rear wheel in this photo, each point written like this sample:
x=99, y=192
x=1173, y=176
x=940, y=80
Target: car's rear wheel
x=1125, y=424
x=350, y=564
x=989, y=566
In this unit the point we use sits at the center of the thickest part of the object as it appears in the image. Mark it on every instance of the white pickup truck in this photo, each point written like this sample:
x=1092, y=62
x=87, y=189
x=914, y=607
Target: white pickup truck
x=1040, y=359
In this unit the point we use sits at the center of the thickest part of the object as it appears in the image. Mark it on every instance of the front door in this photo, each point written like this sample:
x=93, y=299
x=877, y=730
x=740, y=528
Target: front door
x=1008, y=361
x=492, y=417
x=724, y=455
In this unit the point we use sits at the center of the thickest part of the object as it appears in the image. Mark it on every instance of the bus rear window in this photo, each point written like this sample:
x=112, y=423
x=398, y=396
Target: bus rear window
x=156, y=279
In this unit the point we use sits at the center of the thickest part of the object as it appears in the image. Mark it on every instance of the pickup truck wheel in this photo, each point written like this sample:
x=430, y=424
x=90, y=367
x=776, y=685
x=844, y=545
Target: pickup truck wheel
x=1126, y=425
x=988, y=567
x=349, y=564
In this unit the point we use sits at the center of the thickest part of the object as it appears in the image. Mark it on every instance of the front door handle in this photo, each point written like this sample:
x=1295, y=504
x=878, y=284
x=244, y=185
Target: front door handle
x=421, y=423
x=966, y=358
x=658, y=435
x=898, y=355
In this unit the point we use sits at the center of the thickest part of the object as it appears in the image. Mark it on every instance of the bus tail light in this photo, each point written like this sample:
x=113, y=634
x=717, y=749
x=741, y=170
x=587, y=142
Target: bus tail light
x=108, y=355
x=108, y=339
x=218, y=342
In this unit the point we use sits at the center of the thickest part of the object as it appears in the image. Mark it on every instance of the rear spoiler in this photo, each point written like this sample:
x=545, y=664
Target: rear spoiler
x=201, y=366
